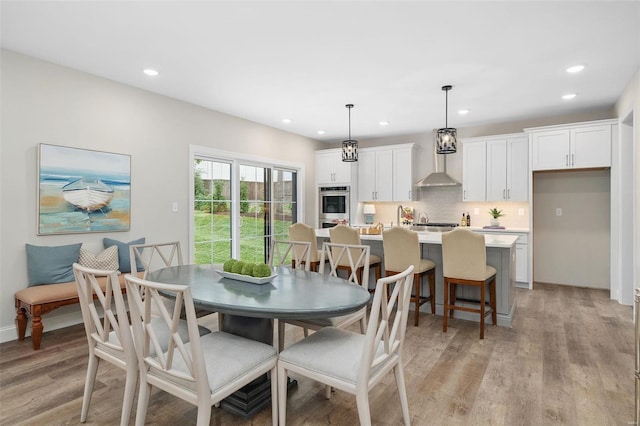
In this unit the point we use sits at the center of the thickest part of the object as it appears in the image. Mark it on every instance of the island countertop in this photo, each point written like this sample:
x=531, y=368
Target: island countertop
x=427, y=237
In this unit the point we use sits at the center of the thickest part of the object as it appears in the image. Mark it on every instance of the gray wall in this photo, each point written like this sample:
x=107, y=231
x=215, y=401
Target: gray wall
x=46, y=103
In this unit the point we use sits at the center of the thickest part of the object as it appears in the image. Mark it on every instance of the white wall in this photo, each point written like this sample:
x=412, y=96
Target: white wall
x=46, y=103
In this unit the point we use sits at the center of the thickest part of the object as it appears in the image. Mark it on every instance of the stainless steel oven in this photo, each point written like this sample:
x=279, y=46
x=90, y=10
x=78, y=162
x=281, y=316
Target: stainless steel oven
x=334, y=205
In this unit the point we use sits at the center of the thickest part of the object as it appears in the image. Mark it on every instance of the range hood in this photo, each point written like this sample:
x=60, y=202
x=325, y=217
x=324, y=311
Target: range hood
x=438, y=177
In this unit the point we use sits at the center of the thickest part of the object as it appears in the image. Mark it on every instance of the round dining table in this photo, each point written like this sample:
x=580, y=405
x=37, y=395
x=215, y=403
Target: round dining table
x=249, y=308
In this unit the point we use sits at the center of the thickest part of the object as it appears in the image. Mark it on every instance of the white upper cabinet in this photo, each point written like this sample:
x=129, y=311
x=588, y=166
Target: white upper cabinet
x=474, y=171
x=386, y=173
x=330, y=169
x=581, y=145
x=508, y=169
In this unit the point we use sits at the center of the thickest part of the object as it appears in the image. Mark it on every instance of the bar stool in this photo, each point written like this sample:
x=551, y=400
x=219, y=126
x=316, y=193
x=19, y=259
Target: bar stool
x=303, y=232
x=343, y=234
x=401, y=249
x=464, y=262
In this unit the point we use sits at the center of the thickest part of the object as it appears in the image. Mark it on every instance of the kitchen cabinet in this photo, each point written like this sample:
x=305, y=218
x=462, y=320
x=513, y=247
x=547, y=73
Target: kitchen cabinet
x=508, y=169
x=474, y=171
x=330, y=169
x=521, y=254
x=576, y=146
x=386, y=173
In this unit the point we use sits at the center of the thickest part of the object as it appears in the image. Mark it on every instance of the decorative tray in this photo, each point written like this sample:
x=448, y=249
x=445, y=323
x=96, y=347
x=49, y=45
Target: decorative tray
x=246, y=278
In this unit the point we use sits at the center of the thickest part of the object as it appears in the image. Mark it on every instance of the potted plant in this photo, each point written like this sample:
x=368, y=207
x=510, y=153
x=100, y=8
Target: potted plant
x=495, y=214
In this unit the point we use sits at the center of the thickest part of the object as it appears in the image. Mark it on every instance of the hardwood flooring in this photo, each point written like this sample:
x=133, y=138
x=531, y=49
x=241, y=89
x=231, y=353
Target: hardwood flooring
x=568, y=360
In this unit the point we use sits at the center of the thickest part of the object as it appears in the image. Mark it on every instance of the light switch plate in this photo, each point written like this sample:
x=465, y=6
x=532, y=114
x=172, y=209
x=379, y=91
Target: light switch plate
x=174, y=206
x=476, y=211
x=520, y=212
x=558, y=211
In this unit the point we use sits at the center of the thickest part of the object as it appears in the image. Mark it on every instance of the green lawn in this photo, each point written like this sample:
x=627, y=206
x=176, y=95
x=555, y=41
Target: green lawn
x=213, y=237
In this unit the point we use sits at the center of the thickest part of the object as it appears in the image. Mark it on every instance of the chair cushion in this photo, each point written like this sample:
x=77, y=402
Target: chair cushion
x=228, y=357
x=123, y=253
x=331, y=351
x=51, y=265
x=373, y=259
x=425, y=265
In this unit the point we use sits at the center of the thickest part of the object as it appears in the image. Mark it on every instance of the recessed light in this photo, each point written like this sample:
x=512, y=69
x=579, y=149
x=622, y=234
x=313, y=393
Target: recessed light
x=321, y=132
x=575, y=68
x=384, y=123
x=286, y=120
x=463, y=112
x=568, y=96
x=150, y=72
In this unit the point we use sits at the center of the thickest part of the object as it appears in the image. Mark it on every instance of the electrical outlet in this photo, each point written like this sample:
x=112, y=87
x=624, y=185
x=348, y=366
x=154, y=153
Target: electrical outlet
x=174, y=206
x=476, y=211
x=558, y=211
x=520, y=212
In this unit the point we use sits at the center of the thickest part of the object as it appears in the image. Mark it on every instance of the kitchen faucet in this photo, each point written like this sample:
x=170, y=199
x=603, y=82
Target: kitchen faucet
x=399, y=213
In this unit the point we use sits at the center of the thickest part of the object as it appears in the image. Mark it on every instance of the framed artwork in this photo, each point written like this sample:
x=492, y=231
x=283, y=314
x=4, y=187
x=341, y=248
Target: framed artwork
x=80, y=190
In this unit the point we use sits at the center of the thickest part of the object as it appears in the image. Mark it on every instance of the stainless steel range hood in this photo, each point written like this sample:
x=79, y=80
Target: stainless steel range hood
x=438, y=177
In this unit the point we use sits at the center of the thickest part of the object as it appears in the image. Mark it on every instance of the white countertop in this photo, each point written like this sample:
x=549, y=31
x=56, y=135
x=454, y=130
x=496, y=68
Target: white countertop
x=492, y=239
x=515, y=230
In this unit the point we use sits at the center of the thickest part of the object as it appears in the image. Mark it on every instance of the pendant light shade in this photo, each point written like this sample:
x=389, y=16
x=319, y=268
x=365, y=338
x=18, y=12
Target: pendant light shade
x=350, y=146
x=446, y=138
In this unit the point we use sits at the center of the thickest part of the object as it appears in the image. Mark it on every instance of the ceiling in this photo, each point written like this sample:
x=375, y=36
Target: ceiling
x=265, y=61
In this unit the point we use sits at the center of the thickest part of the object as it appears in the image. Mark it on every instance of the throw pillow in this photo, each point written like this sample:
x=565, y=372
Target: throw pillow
x=51, y=265
x=105, y=260
x=123, y=253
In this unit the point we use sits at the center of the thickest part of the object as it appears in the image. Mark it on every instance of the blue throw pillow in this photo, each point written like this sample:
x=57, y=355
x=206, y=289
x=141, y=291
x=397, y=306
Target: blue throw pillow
x=123, y=253
x=51, y=265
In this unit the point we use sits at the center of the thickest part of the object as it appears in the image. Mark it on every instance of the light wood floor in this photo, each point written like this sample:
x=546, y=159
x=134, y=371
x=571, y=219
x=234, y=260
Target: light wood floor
x=568, y=359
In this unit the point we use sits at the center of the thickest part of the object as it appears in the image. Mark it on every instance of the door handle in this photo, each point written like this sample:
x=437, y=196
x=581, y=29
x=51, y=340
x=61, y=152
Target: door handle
x=573, y=159
x=508, y=194
x=504, y=194
x=566, y=160
x=409, y=194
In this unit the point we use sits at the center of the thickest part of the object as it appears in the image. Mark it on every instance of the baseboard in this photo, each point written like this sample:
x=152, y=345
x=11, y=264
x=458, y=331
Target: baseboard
x=50, y=323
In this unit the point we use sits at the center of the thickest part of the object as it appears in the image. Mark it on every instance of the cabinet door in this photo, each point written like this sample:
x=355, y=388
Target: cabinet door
x=341, y=170
x=384, y=175
x=497, y=170
x=518, y=169
x=366, y=175
x=591, y=146
x=324, y=167
x=474, y=169
x=521, y=263
x=403, y=175
x=550, y=150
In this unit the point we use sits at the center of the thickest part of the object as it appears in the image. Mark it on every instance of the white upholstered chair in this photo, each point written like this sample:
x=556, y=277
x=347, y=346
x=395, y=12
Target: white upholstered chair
x=108, y=333
x=464, y=262
x=401, y=249
x=336, y=255
x=343, y=234
x=202, y=371
x=353, y=362
x=303, y=232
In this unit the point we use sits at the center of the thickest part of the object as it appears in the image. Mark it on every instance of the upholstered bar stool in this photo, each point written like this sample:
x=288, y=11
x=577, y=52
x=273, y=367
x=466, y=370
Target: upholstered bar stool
x=401, y=249
x=464, y=261
x=303, y=232
x=343, y=234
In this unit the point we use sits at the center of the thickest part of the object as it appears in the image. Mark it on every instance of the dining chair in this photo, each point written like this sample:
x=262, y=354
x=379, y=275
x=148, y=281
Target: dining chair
x=290, y=253
x=335, y=255
x=302, y=232
x=108, y=333
x=203, y=370
x=402, y=248
x=352, y=362
x=145, y=258
x=344, y=234
x=464, y=262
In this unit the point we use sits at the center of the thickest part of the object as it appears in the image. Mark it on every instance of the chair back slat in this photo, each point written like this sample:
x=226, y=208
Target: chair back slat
x=387, y=322
x=154, y=256
x=166, y=355
x=284, y=253
x=349, y=255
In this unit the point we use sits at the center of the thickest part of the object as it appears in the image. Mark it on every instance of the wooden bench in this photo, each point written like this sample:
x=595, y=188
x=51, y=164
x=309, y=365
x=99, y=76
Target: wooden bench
x=41, y=299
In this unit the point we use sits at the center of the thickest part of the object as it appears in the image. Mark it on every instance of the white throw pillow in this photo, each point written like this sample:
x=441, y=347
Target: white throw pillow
x=105, y=260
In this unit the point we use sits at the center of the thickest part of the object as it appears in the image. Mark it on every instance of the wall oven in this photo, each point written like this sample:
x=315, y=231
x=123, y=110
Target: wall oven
x=333, y=205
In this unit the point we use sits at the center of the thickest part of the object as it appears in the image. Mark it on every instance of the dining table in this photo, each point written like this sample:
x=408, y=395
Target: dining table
x=249, y=309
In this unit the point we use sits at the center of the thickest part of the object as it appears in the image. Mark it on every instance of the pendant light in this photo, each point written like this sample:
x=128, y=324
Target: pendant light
x=350, y=146
x=446, y=140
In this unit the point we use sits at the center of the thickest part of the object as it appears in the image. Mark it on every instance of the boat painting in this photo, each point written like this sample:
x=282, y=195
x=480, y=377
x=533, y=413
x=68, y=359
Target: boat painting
x=81, y=190
x=88, y=194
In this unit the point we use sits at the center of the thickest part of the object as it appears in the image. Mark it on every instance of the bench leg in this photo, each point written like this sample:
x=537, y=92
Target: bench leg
x=21, y=323
x=36, y=332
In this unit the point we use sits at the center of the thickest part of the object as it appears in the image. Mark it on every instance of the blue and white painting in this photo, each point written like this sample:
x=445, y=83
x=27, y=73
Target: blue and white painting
x=81, y=190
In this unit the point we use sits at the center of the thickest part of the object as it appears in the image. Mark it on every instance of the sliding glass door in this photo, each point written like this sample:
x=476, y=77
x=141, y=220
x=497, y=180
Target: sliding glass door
x=239, y=208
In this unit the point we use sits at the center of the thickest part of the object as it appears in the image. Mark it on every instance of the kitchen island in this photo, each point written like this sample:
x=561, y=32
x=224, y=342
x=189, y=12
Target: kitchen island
x=500, y=255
